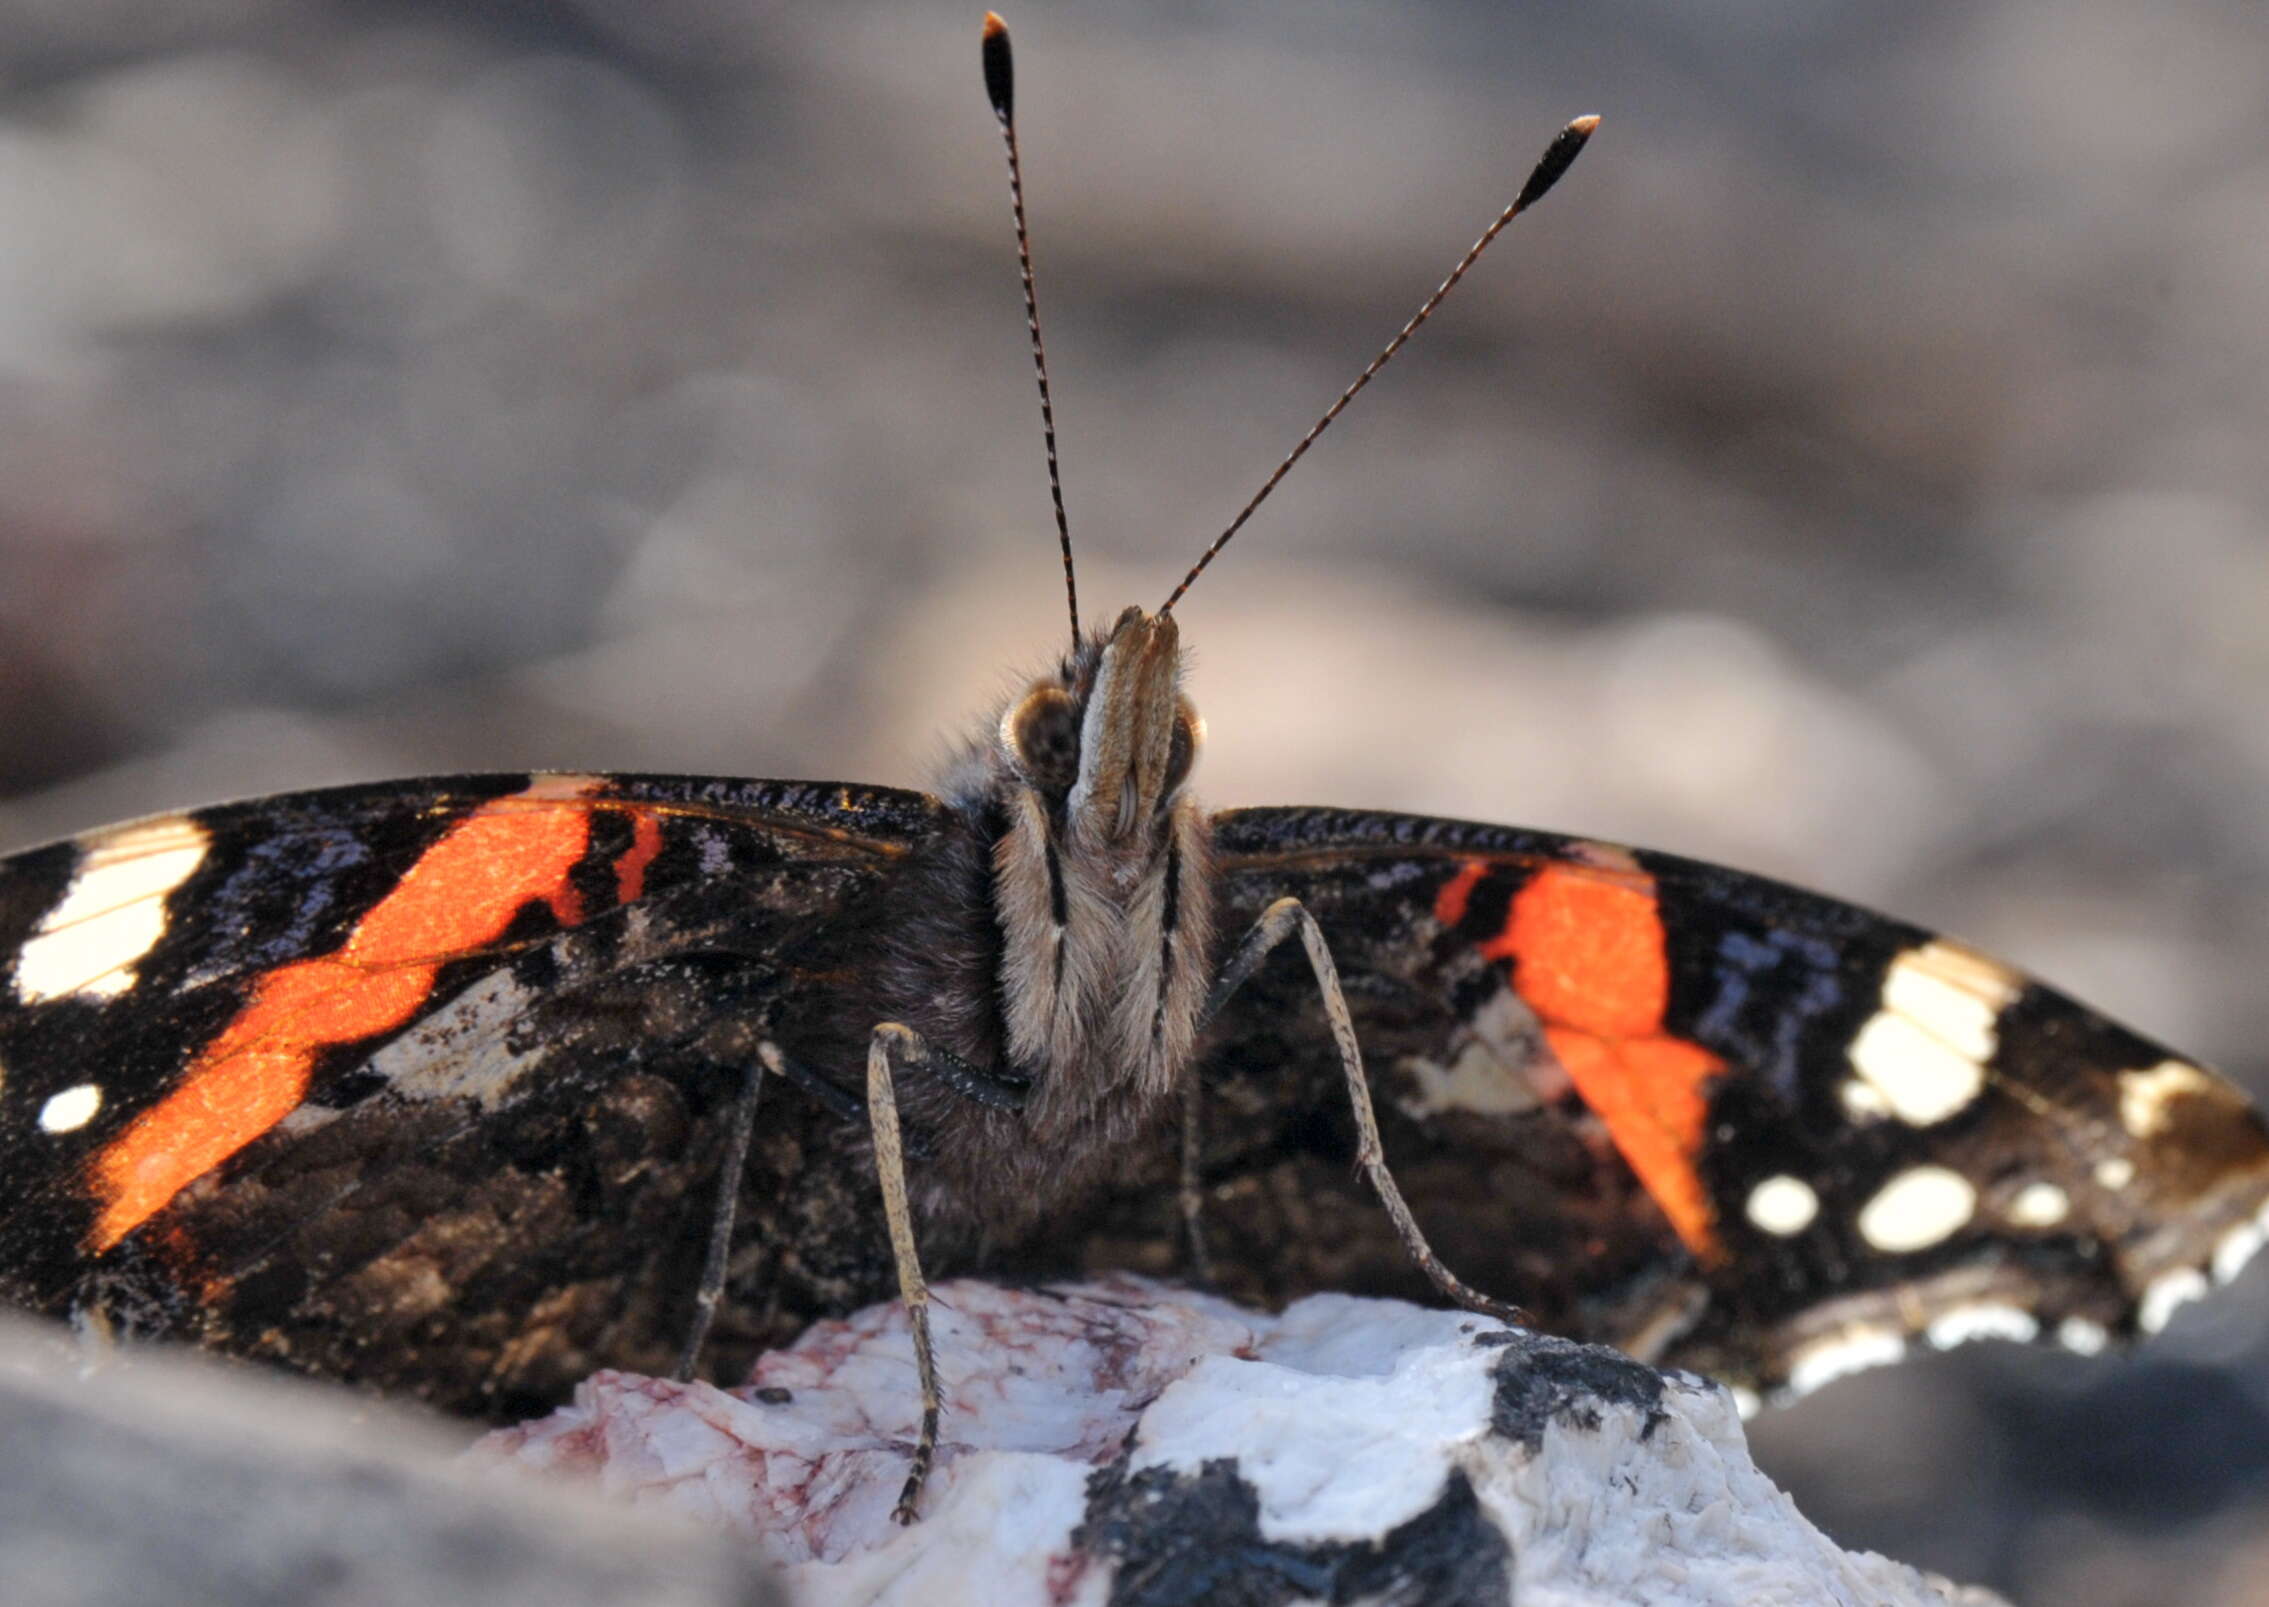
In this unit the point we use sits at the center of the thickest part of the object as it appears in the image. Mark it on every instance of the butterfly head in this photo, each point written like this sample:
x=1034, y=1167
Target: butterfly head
x=1109, y=739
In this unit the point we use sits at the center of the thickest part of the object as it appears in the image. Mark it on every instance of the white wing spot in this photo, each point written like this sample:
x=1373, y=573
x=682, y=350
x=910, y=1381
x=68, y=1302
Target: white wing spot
x=2168, y=1293
x=1486, y=1073
x=2039, y=1205
x=1783, y=1205
x=2235, y=1248
x=2115, y=1174
x=1924, y=1051
x=1953, y=993
x=1922, y=1206
x=71, y=1109
x=465, y=1050
x=1863, y=1102
x=1838, y=1358
x=2147, y=1097
x=1921, y=1078
x=1984, y=1321
x=113, y=912
x=2081, y=1336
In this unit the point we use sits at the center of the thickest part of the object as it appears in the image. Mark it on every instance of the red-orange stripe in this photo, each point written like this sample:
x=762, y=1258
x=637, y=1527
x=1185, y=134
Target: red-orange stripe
x=1590, y=958
x=645, y=847
x=461, y=894
x=1457, y=893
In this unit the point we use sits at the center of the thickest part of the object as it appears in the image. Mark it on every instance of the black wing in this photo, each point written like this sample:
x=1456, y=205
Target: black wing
x=423, y=1084
x=1702, y=1115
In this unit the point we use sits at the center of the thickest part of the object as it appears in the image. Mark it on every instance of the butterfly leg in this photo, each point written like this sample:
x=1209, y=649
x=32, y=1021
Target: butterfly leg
x=893, y=1041
x=1191, y=1193
x=1279, y=921
x=976, y=1083
x=737, y=1138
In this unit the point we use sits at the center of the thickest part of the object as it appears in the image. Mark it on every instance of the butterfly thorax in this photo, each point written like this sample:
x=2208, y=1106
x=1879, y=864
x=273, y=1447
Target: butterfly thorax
x=1086, y=881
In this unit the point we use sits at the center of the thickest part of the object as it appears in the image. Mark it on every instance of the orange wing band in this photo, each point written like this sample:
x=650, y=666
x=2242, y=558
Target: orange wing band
x=645, y=847
x=1590, y=959
x=463, y=893
x=1457, y=893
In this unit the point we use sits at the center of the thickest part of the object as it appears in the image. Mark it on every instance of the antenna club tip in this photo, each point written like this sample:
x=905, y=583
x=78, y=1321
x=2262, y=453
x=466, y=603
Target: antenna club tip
x=1558, y=157
x=1000, y=72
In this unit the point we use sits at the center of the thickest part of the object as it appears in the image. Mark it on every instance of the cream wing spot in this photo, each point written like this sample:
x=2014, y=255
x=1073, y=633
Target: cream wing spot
x=1831, y=1359
x=1984, y=1321
x=1920, y=1078
x=1924, y=1052
x=1920, y=1207
x=1953, y=993
x=2166, y=1294
x=550, y=786
x=2147, y=1098
x=1782, y=1205
x=1863, y=1102
x=466, y=1050
x=112, y=913
x=2115, y=1174
x=2235, y=1249
x=2039, y=1205
x=71, y=1109
x=1487, y=1071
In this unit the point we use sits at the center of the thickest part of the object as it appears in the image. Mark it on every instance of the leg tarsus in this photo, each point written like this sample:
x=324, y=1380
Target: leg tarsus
x=894, y=1041
x=926, y=1442
x=1191, y=1193
x=735, y=1162
x=1279, y=921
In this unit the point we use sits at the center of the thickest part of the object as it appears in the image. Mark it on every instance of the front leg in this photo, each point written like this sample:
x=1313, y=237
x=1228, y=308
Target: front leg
x=1279, y=921
x=999, y=1090
x=894, y=1041
x=721, y=1215
x=1191, y=1192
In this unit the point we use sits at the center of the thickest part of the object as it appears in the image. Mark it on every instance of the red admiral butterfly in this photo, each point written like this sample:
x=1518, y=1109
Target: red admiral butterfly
x=459, y=1086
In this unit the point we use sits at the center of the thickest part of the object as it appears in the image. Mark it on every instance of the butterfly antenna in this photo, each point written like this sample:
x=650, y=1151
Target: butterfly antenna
x=1557, y=158
x=1000, y=89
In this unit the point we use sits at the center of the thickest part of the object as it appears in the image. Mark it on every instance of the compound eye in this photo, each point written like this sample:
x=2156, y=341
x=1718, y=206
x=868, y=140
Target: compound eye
x=1042, y=733
x=1182, y=749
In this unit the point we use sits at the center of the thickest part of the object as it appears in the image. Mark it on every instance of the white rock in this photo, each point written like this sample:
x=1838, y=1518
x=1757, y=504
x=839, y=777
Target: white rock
x=1124, y=1440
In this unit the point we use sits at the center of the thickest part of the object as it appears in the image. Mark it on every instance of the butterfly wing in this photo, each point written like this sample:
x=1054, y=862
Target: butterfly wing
x=1706, y=1116
x=424, y=1084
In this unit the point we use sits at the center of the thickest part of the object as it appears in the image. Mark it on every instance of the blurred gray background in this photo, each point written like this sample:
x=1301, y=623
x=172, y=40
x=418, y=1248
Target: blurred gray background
x=1858, y=471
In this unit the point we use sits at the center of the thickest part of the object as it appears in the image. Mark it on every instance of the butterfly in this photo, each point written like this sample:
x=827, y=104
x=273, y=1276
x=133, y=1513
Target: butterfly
x=461, y=1087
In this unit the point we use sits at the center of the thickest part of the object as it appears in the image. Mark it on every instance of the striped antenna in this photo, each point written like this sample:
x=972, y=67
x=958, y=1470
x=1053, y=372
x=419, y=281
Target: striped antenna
x=1557, y=158
x=1000, y=89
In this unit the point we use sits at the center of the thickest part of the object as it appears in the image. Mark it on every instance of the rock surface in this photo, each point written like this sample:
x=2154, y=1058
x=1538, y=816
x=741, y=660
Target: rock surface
x=1123, y=1442
x=178, y=1480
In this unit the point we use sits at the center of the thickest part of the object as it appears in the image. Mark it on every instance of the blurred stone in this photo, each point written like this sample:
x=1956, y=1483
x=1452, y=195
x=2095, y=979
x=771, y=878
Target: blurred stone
x=556, y=179
x=188, y=191
x=170, y=1479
